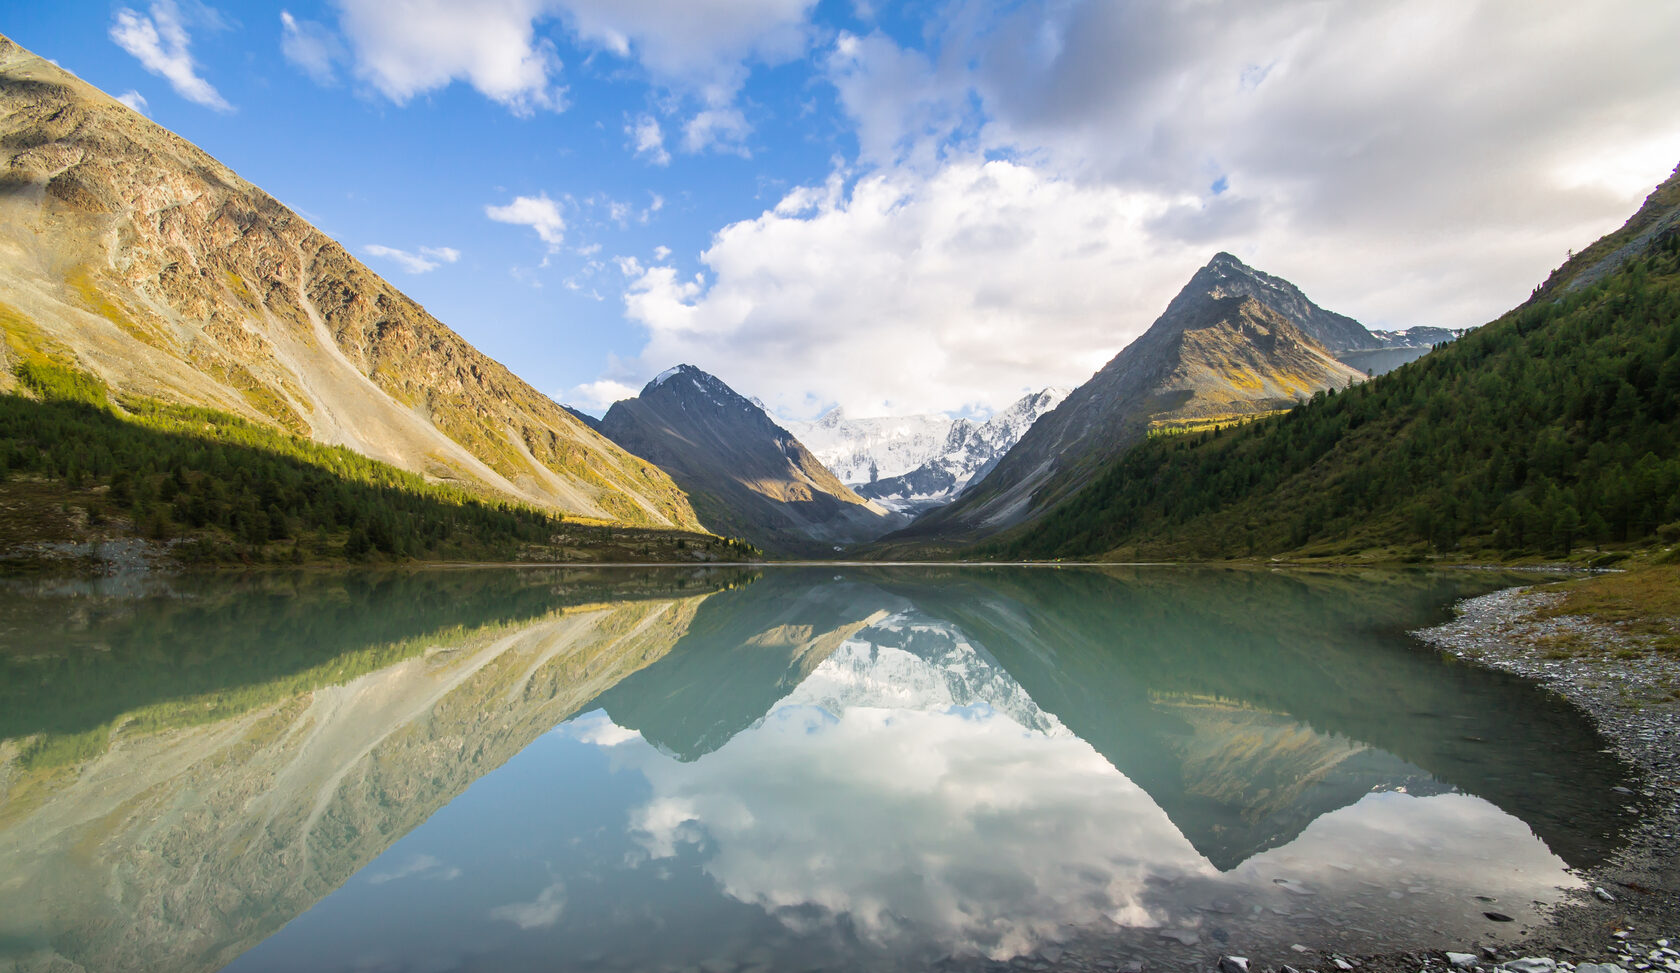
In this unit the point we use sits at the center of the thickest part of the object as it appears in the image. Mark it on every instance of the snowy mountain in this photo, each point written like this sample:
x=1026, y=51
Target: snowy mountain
x=911, y=463
x=863, y=450
x=970, y=451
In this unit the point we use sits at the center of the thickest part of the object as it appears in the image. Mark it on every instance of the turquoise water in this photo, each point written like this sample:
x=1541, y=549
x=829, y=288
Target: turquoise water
x=780, y=768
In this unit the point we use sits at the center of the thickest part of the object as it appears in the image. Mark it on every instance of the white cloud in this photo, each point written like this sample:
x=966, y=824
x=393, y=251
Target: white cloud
x=409, y=47
x=648, y=140
x=160, y=43
x=913, y=295
x=701, y=48
x=134, y=100
x=310, y=46
x=597, y=397
x=542, y=912
x=696, y=44
x=724, y=128
x=1416, y=164
x=902, y=105
x=537, y=212
x=1365, y=134
x=661, y=253
x=428, y=259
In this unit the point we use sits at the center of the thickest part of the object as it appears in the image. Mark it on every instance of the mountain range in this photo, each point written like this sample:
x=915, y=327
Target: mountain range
x=915, y=463
x=141, y=276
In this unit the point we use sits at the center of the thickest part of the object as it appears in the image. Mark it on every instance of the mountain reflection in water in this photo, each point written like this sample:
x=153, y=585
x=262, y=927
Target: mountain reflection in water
x=797, y=768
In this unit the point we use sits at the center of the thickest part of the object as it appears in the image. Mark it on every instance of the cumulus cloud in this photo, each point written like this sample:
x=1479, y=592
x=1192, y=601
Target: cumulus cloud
x=425, y=261
x=700, y=48
x=537, y=212
x=311, y=47
x=160, y=42
x=411, y=47
x=135, y=100
x=648, y=140
x=908, y=294
x=1415, y=164
x=698, y=44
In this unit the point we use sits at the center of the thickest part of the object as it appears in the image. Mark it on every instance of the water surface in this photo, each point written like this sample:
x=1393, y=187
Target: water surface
x=783, y=768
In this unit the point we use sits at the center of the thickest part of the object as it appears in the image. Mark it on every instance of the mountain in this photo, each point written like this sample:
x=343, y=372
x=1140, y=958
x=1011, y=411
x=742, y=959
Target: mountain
x=865, y=450
x=1552, y=427
x=129, y=254
x=1220, y=352
x=747, y=476
x=969, y=452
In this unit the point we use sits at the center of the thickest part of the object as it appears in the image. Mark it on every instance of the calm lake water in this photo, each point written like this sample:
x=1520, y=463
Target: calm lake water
x=777, y=768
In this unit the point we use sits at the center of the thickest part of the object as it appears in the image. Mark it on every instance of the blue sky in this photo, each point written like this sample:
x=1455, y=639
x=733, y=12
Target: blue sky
x=903, y=207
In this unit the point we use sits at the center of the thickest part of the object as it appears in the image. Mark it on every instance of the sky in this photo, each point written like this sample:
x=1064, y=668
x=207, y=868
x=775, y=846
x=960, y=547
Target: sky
x=903, y=208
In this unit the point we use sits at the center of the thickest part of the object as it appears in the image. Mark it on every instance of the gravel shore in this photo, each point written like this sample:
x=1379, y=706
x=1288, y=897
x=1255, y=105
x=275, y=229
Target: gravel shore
x=1633, y=909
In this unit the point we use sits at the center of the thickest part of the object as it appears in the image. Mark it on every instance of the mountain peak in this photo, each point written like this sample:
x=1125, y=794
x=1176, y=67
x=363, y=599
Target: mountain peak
x=1226, y=276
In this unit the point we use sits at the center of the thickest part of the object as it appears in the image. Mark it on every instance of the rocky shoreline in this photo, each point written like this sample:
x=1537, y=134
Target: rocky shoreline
x=1630, y=913
x=1627, y=918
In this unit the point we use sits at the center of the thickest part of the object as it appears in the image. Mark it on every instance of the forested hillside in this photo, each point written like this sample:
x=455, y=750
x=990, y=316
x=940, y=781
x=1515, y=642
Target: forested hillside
x=1554, y=427
x=217, y=487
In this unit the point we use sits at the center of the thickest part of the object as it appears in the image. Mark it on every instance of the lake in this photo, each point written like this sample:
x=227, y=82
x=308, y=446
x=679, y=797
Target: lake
x=787, y=768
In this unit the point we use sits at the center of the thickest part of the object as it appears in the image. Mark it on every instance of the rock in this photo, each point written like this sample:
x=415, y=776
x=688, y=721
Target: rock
x=1341, y=964
x=1530, y=964
x=1233, y=964
x=1461, y=960
x=1599, y=968
x=1498, y=917
x=1188, y=937
x=1598, y=890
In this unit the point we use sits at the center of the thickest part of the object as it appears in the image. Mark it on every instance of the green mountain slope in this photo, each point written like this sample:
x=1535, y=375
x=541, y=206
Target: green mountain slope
x=1555, y=426
x=78, y=469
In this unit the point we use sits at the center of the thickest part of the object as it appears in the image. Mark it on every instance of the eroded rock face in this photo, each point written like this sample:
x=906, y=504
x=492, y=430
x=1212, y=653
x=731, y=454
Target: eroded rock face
x=130, y=253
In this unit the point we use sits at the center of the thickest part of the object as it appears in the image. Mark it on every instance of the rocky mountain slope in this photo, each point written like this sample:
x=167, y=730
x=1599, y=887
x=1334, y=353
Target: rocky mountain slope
x=747, y=476
x=1218, y=353
x=969, y=452
x=129, y=253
